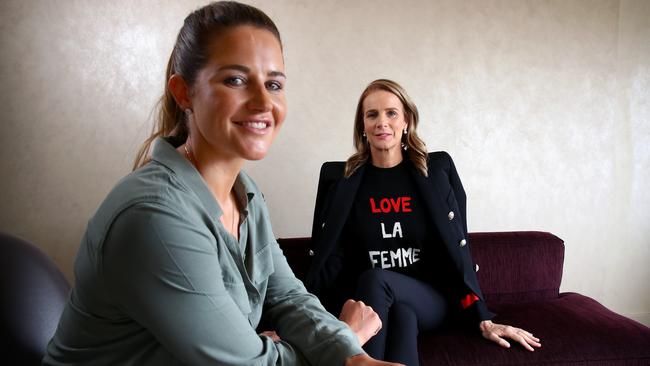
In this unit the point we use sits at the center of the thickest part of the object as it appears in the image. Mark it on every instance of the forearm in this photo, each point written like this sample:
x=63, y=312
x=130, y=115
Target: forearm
x=301, y=320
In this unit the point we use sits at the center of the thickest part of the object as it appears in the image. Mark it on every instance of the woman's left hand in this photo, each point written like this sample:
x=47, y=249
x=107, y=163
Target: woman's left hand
x=497, y=332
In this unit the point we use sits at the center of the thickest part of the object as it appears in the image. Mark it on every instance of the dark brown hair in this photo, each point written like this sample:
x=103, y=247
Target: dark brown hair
x=416, y=149
x=190, y=54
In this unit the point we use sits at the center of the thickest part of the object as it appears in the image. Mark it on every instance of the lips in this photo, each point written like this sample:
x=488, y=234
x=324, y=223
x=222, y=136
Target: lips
x=255, y=126
x=383, y=135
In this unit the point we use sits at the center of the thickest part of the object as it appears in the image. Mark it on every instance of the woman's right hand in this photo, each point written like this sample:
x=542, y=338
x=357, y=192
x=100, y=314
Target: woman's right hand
x=365, y=360
x=361, y=319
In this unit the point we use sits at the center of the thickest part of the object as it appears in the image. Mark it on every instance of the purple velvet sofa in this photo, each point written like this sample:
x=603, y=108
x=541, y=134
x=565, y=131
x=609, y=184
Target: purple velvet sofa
x=520, y=275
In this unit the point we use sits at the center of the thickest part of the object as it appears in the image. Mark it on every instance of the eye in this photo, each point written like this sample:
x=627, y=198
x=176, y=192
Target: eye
x=234, y=81
x=274, y=85
x=391, y=113
x=371, y=114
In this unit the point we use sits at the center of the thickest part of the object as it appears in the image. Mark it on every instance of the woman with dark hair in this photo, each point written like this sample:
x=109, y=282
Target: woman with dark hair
x=390, y=230
x=179, y=264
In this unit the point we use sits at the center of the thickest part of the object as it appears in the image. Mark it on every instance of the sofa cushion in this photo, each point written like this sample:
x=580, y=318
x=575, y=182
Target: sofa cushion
x=574, y=330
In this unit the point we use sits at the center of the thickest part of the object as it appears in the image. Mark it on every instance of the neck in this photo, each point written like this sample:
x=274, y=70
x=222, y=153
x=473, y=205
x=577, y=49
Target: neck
x=220, y=177
x=219, y=172
x=386, y=158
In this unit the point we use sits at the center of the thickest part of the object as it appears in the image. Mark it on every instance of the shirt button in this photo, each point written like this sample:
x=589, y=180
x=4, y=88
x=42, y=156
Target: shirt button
x=311, y=253
x=476, y=266
x=450, y=215
x=463, y=243
x=323, y=225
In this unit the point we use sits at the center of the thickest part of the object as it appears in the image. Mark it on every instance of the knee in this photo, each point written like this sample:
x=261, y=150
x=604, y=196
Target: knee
x=373, y=277
x=374, y=290
x=373, y=283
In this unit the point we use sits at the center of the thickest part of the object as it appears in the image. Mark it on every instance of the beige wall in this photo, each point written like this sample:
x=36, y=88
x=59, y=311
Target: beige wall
x=544, y=105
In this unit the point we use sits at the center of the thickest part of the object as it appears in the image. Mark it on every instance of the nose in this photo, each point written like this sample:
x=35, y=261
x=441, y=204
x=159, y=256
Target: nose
x=259, y=99
x=382, y=121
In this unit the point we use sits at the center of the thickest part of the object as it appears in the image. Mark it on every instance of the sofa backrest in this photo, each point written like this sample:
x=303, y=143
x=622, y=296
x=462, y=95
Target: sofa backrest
x=296, y=250
x=515, y=266
x=518, y=266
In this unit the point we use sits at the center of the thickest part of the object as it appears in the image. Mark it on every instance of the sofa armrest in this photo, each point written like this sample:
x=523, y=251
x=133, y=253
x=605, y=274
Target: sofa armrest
x=518, y=266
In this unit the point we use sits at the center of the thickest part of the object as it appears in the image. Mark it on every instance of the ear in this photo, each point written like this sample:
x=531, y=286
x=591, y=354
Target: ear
x=180, y=90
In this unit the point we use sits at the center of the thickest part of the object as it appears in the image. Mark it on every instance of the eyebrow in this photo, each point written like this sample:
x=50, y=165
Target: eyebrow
x=385, y=109
x=245, y=69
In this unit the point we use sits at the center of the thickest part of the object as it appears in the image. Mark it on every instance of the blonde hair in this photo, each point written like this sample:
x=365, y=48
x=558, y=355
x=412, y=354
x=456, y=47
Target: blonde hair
x=416, y=150
x=190, y=54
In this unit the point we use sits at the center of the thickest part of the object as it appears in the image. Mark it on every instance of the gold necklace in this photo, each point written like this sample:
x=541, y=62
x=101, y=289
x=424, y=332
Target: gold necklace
x=188, y=154
x=233, y=228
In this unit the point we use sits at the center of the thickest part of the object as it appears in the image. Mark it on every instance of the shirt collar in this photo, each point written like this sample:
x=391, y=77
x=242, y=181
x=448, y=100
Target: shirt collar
x=165, y=153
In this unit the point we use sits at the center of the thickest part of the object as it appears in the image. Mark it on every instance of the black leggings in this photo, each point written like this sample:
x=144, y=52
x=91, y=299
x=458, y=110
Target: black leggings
x=405, y=306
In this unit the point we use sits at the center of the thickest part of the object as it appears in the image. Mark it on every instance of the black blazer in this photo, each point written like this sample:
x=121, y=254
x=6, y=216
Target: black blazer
x=445, y=200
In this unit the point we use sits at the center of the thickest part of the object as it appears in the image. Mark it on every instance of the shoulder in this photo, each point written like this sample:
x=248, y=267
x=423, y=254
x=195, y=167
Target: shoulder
x=439, y=160
x=150, y=186
x=332, y=170
x=153, y=183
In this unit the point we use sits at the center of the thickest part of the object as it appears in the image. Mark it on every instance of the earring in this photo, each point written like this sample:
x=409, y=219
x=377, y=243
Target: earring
x=405, y=146
x=363, y=134
x=188, y=113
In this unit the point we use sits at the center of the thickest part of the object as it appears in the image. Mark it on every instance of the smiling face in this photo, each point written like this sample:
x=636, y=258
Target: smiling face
x=384, y=122
x=237, y=99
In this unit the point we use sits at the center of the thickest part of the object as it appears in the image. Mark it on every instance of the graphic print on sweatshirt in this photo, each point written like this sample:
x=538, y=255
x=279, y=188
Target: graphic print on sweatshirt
x=389, y=221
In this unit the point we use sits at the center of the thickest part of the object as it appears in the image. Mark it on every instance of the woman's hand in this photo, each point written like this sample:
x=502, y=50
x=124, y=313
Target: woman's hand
x=365, y=360
x=363, y=321
x=497, y=332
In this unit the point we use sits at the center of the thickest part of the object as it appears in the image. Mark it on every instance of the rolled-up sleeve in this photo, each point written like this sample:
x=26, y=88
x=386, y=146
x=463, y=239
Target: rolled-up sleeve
x=164, y=273
x=302, y=321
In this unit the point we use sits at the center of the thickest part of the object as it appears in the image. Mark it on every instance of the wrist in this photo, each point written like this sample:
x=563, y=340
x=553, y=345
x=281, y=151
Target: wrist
x=356, y=359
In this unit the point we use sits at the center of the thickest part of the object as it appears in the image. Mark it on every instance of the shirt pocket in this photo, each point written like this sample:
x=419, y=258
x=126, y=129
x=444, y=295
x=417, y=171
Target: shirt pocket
x=262, y=265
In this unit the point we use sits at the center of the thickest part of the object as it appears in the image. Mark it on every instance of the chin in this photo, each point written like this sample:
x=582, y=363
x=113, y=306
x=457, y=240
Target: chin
x=383, y=147
x=255, y=154
x=255, y=150
x=255, y=157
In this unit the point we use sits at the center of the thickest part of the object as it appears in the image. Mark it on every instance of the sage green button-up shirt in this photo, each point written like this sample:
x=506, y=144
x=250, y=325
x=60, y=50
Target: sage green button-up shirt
x=159, y=281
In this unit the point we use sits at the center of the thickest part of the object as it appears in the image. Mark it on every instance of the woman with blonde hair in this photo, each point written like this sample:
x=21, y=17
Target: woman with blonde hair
x=390, y=230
